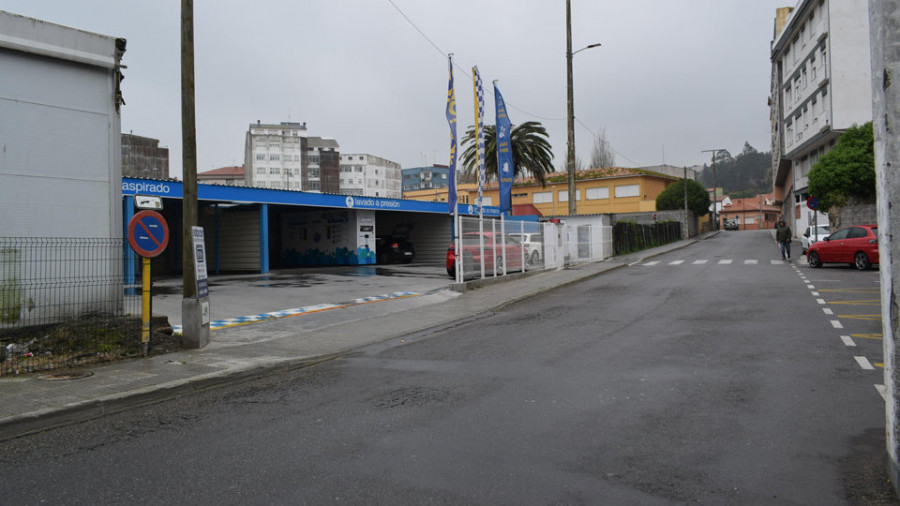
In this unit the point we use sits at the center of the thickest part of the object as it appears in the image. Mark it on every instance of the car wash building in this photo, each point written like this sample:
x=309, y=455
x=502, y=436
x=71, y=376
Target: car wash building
x=255, y=230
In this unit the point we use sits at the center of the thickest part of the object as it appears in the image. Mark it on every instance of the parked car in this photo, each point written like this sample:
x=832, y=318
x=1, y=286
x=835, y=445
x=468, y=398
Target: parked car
x=534, y=246
x=857, y=246
x=813, y=235
x=493, y=253
x=732, y=224
x=396, y=246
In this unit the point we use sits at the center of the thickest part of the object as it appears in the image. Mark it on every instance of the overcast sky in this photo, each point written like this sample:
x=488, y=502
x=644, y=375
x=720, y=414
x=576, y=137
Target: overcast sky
x=672, y=78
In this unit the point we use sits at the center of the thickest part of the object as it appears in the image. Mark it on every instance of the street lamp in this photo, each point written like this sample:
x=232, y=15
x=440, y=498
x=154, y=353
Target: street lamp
x=715, y=196
x=570, y=113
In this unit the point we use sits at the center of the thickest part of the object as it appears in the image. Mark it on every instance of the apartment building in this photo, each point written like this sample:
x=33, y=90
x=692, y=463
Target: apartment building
x=371, y=176
x=230, y=176
x=283, y=156
x=820, y=86
x=426, y=178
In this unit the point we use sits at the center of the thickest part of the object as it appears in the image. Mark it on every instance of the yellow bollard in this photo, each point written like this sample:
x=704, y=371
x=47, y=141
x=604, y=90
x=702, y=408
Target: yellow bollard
x=145, y=313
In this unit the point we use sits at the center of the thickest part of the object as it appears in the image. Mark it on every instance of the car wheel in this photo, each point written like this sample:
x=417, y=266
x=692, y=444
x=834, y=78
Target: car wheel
x=861, y=261
x=498, y=265
x=814, y=260
x=804, y=251
x=535, y=258
x=451, y=271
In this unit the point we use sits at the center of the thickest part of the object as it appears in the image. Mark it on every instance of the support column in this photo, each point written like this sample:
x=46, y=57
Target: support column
x=884, y=18
x=128, y=213
x=263, y=238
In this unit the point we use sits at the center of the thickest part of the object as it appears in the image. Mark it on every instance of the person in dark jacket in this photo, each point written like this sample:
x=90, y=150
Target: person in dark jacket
x=783, y=235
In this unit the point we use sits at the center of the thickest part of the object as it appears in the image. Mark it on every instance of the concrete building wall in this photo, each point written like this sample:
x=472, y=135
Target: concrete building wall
x=370, y=176
x=143, y=157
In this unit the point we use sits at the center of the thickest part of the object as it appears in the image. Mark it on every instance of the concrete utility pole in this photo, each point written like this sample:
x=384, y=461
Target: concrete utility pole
x=685, y=233
x=712, y=215
x=192, y=328
x=884, y=18
x=570, y=112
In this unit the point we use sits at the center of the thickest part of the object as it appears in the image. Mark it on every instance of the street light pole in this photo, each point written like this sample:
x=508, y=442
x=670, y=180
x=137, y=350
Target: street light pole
x=712, y=215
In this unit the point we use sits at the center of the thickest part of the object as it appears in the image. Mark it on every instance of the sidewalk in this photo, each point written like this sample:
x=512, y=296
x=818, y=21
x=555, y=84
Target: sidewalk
x=30, y=404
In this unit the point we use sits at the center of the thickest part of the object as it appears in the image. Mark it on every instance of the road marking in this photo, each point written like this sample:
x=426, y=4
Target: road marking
x=751, y=262
x=827, y=311
x=820, y=301
x=700, y=262
x=848, y=341
x=815, y=294
x=725, y=261
x=652, y=263
x=864, y=363
x=849, y=290
x=676, y=262
x=867, y=317
x=865, y=302
x=880, y=389
x=811, y=287
x=877, y=336
x=836, y=324
x=776, y=262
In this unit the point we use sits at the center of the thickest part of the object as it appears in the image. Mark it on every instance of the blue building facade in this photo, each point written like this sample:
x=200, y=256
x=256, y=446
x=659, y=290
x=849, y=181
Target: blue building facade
x=426, y=178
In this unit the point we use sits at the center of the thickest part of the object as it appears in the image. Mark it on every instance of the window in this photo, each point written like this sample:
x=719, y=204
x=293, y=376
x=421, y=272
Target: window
x=542, y=198
x=597, y=193
x=260, y=156
x=313, y=186
x=288, y=172
x=628, y=190
x=564, y=195
x=274, y=170
x=274, y=156
x=260, y=170
x=812, y=68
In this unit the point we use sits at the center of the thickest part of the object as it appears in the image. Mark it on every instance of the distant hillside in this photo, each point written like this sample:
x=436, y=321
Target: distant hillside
x=744, y=175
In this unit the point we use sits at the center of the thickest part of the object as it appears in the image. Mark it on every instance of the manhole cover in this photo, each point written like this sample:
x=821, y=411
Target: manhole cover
x=58, y=376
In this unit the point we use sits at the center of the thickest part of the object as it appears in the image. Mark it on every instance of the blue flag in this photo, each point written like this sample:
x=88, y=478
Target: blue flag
x=451, y=119
x=504, y=152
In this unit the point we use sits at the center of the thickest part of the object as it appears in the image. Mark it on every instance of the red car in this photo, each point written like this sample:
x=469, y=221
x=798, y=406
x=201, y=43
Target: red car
x=857, y=246
x=493, y=253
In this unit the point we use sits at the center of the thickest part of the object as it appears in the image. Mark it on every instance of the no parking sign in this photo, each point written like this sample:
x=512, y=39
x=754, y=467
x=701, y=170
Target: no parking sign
x=148, y=233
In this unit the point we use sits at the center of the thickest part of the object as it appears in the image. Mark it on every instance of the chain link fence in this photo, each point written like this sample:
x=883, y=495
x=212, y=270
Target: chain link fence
x=493, y=247
x=63, y=302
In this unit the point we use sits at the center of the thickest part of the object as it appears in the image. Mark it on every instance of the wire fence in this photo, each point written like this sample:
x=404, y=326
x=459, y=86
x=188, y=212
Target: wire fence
x=491, y=248
x=629, y=237
x=63, y=303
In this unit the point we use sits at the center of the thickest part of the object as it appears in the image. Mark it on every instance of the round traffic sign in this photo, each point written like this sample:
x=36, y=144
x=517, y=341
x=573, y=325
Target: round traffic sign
x=812, y=203
x=148, y=233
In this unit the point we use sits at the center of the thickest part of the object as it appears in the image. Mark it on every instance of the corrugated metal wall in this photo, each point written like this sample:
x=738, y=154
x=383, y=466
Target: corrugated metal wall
x=430, y=234
x=239, y=240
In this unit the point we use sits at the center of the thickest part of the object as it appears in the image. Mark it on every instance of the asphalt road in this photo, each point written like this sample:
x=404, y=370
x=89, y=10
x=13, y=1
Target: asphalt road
x=701, y=377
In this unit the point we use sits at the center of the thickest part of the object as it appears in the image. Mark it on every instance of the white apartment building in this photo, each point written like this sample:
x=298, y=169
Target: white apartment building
x=282, y=156
x=369, y=175
x=820, y=86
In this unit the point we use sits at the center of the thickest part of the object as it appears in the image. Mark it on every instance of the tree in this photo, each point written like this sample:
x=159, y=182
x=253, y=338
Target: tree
x=672, y=198
x=847, y=172
x=602, y=154
x=531, y=151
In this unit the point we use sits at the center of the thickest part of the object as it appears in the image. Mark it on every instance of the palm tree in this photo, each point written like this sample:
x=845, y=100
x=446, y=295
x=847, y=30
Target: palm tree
x=531, y=151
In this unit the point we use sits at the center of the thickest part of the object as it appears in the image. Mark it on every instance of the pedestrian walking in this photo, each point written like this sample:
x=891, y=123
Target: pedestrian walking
x=784, y=235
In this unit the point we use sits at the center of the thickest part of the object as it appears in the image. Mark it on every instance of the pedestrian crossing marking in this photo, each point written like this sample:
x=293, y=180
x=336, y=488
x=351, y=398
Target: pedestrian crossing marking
x=700, y=262
x=725, y=261
x=705, y=261
x=751, y=262
x=864, y=363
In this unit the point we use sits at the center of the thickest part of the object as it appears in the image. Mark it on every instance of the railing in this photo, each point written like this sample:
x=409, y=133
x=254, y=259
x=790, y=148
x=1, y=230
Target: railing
x=63, y=302
x=629, y=237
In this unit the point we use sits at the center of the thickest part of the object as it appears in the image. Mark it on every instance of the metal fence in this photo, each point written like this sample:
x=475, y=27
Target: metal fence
x=490, y=248
x=629, y=237
x=63, y=303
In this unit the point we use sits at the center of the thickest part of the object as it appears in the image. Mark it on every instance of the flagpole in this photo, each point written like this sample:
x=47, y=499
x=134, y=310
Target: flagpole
x=479, y=149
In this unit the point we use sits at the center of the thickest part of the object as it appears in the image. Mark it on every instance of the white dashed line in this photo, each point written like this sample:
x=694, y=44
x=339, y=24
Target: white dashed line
x=811, y=287
x=815, y=294
x=700, y=262
x=751, y=262
x=725, y=261
x=864, y=363
x=836, y=324
x=776, y=262
x=827, y=311
x=652, y=263
x=880, y=389
x=820, y=301
x=848, y=341
x=676, y=262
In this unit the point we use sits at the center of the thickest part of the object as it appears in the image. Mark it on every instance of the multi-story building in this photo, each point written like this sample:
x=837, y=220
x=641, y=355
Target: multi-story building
x=142, y=157
x=426, y=178
x=283, y=156
x=368, y=175
x=231, y=176
x=820, y=86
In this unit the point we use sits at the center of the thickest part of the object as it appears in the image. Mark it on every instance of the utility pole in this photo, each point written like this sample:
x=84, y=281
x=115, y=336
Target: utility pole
x=195, y=334
x=685, y=234
x=715, y=207
x=570, y=112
